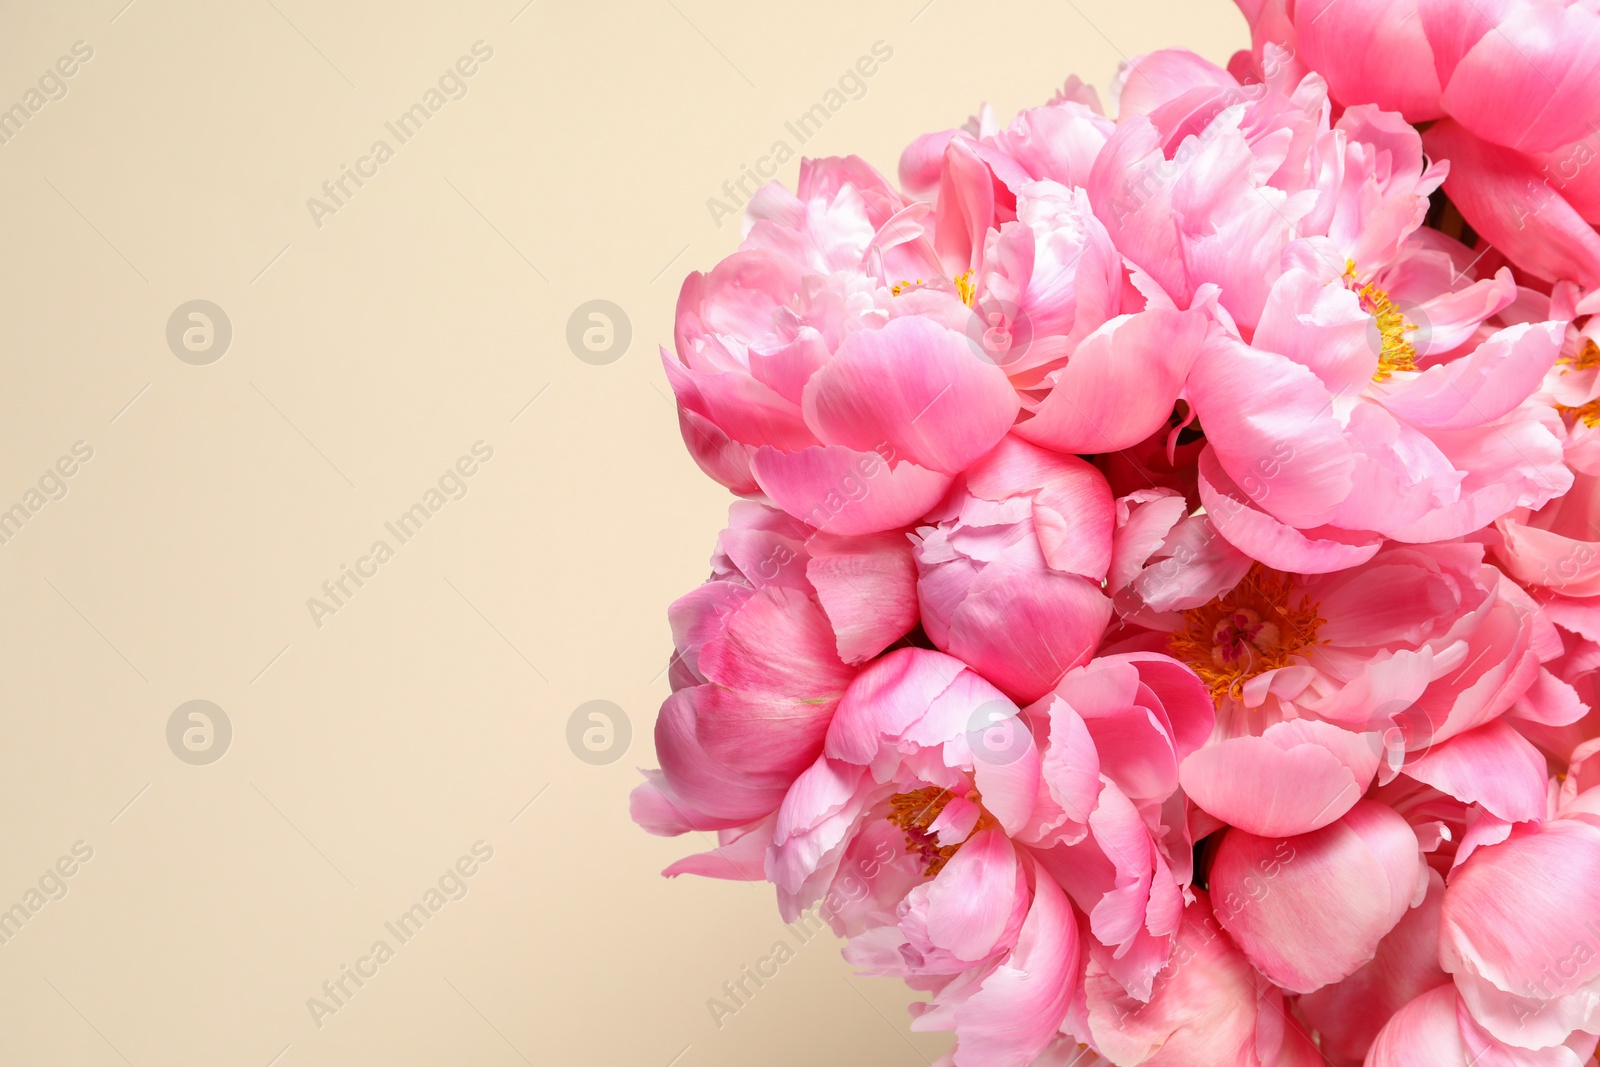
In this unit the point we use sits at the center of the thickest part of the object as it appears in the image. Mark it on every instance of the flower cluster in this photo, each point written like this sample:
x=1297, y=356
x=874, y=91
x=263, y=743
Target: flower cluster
x=1162, y=616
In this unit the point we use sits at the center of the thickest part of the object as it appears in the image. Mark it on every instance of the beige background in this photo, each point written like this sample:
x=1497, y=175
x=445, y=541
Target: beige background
x=369, y=353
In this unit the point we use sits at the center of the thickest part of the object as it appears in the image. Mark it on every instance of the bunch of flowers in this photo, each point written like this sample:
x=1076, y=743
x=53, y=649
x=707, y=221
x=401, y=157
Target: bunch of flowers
x=1161, y=617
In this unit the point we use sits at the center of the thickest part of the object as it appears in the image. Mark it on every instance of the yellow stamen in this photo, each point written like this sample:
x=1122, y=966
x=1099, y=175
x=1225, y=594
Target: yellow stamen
x=905, y=287
x=1255, y=627
x=964, y=288
x=1587, y=358
x=1589, y=413
x=917, y=810
x=1398, y=353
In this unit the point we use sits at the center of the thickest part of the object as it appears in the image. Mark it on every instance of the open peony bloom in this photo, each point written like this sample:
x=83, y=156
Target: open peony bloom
x=1163, y=624
x=1341, y=424
x=924, y=751
x=1010, y=575
x=1320, y=680
x=792, y=379
x=1510, y=89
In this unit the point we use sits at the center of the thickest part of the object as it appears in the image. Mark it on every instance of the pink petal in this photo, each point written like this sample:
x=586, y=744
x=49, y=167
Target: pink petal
x=1349, y=1014
x=1021, y=1004
x=1263, y=537
x=915, y=387
x=845, y=492
x=1492, y=765
x=1530, y=83
x=971, y=901
x=1297, y=777
x=886, y=699
x=1483, y=386
x=1311, y=910
x=1073, y=512
x=1371, y=51
x=1271, y=426
x=1121, y=383
x=740, y=855
x=868, y=587
x=1022, y=628
x=1509, y=202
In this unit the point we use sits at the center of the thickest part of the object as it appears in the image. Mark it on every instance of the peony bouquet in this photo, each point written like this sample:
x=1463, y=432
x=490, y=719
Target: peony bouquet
x=1161, y=616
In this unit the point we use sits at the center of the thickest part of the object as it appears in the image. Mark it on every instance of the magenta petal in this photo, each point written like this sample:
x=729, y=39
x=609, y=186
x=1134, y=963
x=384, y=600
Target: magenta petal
x=845, y=492
x=915, y=388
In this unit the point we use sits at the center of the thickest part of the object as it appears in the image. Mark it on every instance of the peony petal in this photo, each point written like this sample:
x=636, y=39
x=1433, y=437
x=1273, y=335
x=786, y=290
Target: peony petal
x=868, y=587
x=1298, y=777
x=1312, y=909
x=1120, y=385
x=916, y=388
x=1492, y=765
x=844, y=492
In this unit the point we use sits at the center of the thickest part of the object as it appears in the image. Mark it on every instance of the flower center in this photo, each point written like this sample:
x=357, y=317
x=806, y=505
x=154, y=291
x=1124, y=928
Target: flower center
x=1397, y=353
x=917, y=810
x=965, y=289
x=1259, y=625
x=1586, y=359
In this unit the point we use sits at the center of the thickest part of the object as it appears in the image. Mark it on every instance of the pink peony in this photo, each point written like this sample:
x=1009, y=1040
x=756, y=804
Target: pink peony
x=923, y=749
x=764, y=651
x=1164, y=627
x=1010, y=574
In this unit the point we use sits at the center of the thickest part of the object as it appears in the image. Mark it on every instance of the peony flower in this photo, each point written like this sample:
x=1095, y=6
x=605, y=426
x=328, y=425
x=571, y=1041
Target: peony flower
x=1512, y=86
x=764, y=651
x=923, y=748
x=1320, y=680
x=792, y=379
x=1322, y=441
x=1010, y=574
